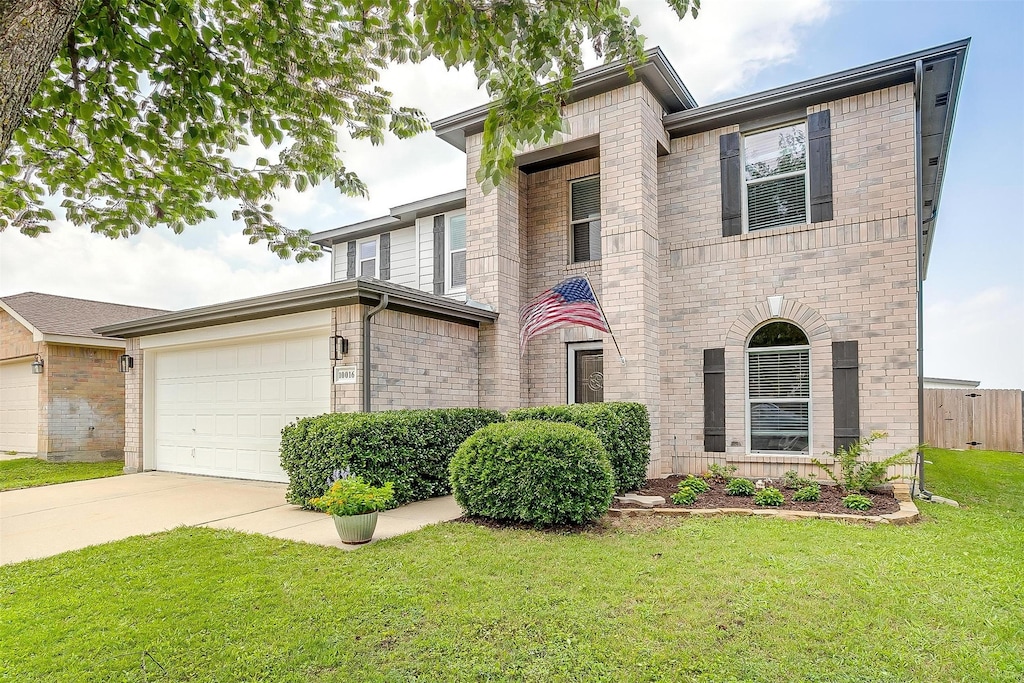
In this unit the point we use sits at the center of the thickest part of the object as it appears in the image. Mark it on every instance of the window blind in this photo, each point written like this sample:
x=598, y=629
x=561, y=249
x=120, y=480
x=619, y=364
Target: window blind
x=586, y=198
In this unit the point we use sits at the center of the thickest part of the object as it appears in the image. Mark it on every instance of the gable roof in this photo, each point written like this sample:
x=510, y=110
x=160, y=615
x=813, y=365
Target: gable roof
x=67, y=320
x=401, y=216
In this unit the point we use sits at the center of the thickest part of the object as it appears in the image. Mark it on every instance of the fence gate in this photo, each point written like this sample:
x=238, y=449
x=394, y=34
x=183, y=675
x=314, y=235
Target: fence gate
x=983, y=419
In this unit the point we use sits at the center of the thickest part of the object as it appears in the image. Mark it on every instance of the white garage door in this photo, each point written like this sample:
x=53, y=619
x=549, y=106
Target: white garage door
x=19, y=406
x=219, y=409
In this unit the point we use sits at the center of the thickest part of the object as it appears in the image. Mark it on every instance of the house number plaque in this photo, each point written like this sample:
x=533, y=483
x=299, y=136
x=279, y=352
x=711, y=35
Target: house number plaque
x=344, y=374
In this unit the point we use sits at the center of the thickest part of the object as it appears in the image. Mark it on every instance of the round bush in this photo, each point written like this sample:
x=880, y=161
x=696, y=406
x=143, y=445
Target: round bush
x=739, y=487
x=535, y=472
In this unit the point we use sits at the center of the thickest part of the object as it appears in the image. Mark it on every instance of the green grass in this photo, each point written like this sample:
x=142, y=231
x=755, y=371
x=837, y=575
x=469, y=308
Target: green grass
x=24, y=472
x=725, y=599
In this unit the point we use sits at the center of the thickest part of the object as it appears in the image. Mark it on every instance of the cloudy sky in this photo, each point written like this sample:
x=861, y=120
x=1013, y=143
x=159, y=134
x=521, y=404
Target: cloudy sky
x=974, y=294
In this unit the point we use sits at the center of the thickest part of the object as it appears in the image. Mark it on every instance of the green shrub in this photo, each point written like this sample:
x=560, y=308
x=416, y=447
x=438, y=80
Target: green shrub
x=857, y=474
x=855, y=501
x=808, y=494
x=698, y=485
x=536, y=472
x=411, y=448
x=740, y=487
x=623, y=428
x=769, y=497
x=720, y=473
x=792, y=480
x=684, y=496
x=353, y=496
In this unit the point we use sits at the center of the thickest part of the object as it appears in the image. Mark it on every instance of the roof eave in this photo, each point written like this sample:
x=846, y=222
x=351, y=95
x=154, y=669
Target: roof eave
x=655, y=72
x=814, y=91
x=344, y=293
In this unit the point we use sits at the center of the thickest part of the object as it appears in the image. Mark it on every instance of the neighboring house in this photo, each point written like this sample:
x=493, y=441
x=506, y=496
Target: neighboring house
x=759, y=260
x=61, y=389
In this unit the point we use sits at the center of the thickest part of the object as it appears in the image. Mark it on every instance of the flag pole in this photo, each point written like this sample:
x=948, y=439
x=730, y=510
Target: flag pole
x=593, y=291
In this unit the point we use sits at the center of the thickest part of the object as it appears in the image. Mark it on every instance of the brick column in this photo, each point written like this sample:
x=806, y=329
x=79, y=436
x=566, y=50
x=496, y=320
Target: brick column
x=630, y=133
x=133, y=381
x=494, y=276
x=347, y=321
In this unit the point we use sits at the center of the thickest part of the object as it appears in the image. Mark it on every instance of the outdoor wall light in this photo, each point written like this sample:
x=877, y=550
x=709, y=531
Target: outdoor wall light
x=37, y=365
x=339, y=347
x=125, y=362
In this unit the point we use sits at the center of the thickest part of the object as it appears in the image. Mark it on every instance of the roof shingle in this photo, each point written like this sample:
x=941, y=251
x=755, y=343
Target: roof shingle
x=64, y=315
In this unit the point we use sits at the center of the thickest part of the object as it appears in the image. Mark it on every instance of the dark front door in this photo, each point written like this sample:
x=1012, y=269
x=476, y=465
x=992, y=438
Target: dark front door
x=589, y=374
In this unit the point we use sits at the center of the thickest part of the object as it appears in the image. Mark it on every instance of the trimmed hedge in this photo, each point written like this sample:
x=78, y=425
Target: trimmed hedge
x=411, y=448
x=623, y=428
x=535, y=472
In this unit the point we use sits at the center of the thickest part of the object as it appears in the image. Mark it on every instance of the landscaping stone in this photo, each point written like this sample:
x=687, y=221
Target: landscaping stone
x=637, y=499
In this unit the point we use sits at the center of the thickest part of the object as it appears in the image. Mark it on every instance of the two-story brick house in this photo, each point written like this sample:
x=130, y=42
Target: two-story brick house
x=759, y=261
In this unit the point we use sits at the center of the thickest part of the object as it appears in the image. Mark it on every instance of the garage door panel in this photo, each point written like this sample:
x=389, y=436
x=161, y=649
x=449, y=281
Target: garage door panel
x=19, y=407
x=232, y=422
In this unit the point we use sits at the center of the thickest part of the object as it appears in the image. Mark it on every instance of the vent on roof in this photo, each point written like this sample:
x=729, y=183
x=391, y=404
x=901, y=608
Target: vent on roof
x=942, y=99
x=927, y=202
x=934, y=161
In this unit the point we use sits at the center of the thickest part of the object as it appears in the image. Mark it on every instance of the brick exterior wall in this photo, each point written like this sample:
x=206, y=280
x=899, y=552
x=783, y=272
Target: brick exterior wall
x=850, y=279
x=15, y=339
x=133, y=415
x=416, y=362
x=82, y=404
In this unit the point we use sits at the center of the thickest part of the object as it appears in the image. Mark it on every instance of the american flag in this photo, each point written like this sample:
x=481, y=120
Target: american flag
x=570, y=302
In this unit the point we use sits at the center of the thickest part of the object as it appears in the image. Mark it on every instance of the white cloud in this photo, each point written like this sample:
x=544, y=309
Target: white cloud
x=978, y=336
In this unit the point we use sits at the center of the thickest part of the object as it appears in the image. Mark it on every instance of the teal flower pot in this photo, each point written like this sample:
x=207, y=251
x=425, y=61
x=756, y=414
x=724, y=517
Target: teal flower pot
x=355, y=529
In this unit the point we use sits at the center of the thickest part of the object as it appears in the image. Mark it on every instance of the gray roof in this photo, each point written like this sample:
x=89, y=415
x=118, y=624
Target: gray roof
x=65, y=316
x=344, y=293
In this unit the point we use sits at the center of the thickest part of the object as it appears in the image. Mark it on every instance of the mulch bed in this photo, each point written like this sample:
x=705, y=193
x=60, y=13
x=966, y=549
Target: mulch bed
x=831, y=499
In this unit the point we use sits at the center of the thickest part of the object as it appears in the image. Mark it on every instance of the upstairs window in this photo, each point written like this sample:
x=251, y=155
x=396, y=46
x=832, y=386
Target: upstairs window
x=779, y=389
x=775, y=177
x=368, y=258
x=456, y=252
x=585, y=219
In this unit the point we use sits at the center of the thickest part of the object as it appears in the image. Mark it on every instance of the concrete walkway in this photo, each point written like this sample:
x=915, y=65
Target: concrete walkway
x=46, y=520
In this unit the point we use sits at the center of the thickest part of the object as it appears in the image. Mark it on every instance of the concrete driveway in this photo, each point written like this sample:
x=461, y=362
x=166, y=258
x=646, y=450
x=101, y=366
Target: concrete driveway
x=46, y=520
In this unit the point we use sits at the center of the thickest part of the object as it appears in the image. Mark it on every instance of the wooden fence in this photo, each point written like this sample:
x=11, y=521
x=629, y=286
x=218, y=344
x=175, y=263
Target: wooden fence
x=983, y=419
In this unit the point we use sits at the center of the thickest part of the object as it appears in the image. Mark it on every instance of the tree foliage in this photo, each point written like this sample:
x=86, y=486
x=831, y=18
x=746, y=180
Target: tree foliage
x=147, y=113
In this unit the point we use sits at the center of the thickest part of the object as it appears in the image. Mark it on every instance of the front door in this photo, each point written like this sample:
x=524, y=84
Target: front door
x=586, y=375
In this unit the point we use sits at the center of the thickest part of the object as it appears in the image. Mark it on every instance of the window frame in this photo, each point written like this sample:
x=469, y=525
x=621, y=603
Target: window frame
x=376, y=256
x=449, y=288
x=809, y=401
x=806, y=173
x=588, y=220
x=570, y=365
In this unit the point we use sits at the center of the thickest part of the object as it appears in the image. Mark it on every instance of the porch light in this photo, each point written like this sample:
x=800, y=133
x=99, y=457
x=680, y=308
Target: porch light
x=339, y=347
x=125, y=362
x=37, y=365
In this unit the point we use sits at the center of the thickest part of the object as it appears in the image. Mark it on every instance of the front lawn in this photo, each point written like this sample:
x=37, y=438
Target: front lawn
x=24, y=472
x=723, y=599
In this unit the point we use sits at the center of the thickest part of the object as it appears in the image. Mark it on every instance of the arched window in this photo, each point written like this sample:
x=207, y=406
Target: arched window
x=779, y=389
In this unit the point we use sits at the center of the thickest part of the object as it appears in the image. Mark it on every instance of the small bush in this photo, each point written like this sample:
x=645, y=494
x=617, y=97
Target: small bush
x=698, y=485
x=720, y=473
x=858, y=474
x=740, y=487
x=623, y=428
x=536, y=472
x=855, y=501
x=769, y=497
x=808, y=494
x=411, y=448
x=353, y=496
x=684, y=496
x=792, y=480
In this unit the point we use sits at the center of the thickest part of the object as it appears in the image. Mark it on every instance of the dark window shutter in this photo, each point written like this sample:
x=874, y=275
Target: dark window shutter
x=732, y=184
x=845, y=393
x=439, y=254
x=351, y=259
x=714, y=400
x=385, y=256
x=819, y=142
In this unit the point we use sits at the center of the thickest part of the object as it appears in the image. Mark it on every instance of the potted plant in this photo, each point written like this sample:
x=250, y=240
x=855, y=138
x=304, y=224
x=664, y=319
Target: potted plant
x=354, y=505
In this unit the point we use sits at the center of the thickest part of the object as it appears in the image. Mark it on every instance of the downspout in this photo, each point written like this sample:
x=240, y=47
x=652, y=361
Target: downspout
x=919, y=210
x=366, y=348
